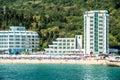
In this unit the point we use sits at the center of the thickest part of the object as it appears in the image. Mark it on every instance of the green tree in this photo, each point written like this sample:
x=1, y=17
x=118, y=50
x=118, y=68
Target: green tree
x=26, y=53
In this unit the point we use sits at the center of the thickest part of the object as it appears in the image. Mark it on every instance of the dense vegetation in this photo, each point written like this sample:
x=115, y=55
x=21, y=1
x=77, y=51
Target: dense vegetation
x=57, y=18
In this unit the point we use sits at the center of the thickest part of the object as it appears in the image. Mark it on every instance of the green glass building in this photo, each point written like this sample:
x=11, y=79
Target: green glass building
x=96, y=32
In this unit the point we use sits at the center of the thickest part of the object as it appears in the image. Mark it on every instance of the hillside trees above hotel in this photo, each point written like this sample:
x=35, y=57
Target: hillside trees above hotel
x=58, y=18
x=113, y=40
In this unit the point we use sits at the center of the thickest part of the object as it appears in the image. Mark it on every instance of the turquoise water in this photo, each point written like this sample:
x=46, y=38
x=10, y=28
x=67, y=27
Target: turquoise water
x=58, y=72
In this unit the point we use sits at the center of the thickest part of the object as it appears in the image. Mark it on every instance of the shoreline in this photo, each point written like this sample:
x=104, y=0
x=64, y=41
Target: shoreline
x=51, y=61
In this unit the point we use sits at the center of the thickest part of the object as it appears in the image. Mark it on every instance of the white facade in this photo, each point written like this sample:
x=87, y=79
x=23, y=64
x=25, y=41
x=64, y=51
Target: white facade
x=17, y=40
x=65, y=46
x=96, y=32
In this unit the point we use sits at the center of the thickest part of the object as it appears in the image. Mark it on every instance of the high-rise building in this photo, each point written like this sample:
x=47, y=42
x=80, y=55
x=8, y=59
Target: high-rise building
x=96, y=32
x=17, y=40
x=66, y=46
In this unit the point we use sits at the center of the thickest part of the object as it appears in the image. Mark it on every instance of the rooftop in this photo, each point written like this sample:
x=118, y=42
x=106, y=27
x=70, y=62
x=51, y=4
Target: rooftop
x=17, y=28
x=99, y=11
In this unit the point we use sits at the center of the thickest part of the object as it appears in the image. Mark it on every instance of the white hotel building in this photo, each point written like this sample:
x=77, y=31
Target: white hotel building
x=17, y=40
x=65, y=46
x=96, y=32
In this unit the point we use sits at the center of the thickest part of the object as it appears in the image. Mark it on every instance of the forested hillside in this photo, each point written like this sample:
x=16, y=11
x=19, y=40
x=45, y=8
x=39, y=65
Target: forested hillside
x=57, y=18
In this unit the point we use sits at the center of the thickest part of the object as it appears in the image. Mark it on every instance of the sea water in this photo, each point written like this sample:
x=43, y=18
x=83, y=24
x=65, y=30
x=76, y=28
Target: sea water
x=58, y=72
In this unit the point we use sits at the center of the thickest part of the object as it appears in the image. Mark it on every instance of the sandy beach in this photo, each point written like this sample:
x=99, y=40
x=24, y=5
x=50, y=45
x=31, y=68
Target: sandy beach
x=45, y=61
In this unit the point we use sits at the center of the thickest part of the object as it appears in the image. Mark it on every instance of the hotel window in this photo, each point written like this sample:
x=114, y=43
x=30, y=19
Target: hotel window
x=91, y=20
x=11, y=46
x=91, y=24
x=91, y=47
x=91, y=36
x=100, y=32
x=11, y=39
x=28, y=36
x=72, y=40
x=68, y=43
x=100, y=20
x=5, y=46
x=68, y=40
x=72, y=43
x=100, y=39
x=23, y=39
x=10, y=35
x=60, y=44
x=91, y=32
x=10, y=32
x=36, y=36
x=60, y=40
x=54, y=43
x=91, y=28
x=100, y=43
x=100, y=17
x=100, y=36
x=59, y=51
x=23, y=36
x=4, y=42
x=17, y=36
x=64, y=40
x=100, y=47
x=64, y=43
x=91, y=17
x=100, y=24
x=11, y=43
x=68, y=51
x=23, y=42
x=17, y=46
x=59, y=48
x=16, y=32
x=91, y=39
x=64, y=47
x=5, y=36
x=68, y=47
x=91, y=43
x=72, y=47
x=17, y=39
x=100, y=28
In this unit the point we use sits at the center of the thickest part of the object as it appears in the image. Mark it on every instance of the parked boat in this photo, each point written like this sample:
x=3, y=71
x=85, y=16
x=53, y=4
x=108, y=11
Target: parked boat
x=113, y=61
